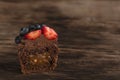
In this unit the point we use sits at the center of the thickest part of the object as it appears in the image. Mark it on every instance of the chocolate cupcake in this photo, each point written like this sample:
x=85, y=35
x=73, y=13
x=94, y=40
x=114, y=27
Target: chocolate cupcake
x=37, y=48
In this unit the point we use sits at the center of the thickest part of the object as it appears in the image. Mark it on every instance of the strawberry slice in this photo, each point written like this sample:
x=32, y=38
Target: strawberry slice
x=49, y=33
x=33, y=35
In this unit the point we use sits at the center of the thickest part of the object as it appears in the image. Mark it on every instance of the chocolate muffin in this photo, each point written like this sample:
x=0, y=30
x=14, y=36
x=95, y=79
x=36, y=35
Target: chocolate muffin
x=39, y=54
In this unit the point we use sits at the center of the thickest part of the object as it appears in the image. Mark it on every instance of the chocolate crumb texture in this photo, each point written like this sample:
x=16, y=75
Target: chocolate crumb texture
x=38, y=55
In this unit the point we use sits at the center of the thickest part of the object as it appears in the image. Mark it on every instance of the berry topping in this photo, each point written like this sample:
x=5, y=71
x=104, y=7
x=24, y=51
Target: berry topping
x=32, y=27
x=33, y=35
x=18, y=39
x=24, y=31
x=32, y=32
x=49, y=33
x=38, y=26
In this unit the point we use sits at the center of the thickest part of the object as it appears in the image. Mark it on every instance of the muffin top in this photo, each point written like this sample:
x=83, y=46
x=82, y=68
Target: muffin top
x=33, y=32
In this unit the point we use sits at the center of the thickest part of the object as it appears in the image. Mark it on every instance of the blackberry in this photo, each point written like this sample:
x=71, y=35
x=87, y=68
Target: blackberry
x=18, y=39
x=32, y=27
x=38, y=26
x=24, y=31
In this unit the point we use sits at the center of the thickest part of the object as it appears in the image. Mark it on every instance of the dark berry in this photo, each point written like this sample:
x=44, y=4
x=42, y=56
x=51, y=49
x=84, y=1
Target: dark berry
x=32, y=27
x=24, y=31
x=38, y=26
x=18, y=39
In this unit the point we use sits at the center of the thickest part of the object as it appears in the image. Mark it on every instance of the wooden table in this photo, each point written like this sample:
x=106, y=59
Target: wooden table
x=89, y=47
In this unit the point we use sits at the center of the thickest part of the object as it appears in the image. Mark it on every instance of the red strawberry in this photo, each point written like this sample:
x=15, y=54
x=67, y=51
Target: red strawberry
x=49, y=33
x=33, y=35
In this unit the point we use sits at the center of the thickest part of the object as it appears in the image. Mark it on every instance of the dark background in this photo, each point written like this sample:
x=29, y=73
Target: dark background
x=89, y=37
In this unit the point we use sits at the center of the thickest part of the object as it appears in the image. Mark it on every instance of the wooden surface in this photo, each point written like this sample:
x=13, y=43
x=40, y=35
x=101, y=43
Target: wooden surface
x=89, y=37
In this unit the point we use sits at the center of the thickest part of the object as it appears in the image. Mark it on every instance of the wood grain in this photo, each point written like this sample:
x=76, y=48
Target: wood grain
x=89, y=37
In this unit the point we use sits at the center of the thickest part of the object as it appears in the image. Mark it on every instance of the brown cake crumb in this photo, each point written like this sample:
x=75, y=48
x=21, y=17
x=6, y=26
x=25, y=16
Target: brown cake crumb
x=38, y=55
